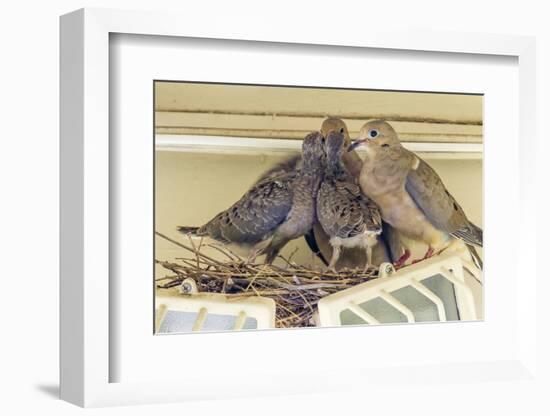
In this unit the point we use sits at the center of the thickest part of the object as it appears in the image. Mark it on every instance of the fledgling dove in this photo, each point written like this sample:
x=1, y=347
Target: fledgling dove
x=351, y=160
x=411, y=196
x=349, y=218
x=274, y=211
x=317, y=239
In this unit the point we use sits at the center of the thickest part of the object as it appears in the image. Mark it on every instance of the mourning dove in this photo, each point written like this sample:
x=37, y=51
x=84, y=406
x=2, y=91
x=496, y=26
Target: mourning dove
x=350, y=257
x=317, y=239
x=274, y=211
x=411, y=196
x=349, y=218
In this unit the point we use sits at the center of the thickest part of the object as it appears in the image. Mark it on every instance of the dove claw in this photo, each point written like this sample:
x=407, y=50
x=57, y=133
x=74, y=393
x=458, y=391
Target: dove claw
x=428, y=254
x=401, y=260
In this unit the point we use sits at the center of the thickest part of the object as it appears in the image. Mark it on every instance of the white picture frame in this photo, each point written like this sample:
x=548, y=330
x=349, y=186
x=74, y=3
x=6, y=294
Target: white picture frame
x=86, y=263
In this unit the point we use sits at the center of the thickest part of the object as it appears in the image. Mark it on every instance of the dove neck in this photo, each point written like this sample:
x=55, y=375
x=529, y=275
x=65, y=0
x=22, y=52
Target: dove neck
x=310, y=175
x=335, y=168
x=311, y=166
x=352, y=163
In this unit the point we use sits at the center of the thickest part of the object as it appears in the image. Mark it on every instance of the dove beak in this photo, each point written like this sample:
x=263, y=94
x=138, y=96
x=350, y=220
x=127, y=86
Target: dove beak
x=356, y=144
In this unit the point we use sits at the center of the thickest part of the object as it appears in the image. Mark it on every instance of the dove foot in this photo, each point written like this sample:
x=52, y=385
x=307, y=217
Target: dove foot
x=251, y=259
x=367, y=268
x=428, y=254
x=259, y=249
x=401, y=260
x=368, y=264
x=335, y=256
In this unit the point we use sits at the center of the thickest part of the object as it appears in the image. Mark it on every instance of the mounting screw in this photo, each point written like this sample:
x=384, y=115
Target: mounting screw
x=386, y=270
x=188, y=286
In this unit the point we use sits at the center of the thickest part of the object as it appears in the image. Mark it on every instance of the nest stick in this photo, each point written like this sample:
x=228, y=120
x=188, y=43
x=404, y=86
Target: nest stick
x=188, y=248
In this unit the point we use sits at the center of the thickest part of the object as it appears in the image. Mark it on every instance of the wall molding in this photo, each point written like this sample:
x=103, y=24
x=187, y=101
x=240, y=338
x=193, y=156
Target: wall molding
x=251, y=145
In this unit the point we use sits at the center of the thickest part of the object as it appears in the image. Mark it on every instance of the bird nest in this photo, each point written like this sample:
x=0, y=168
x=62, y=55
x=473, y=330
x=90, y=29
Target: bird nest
x=296, y=289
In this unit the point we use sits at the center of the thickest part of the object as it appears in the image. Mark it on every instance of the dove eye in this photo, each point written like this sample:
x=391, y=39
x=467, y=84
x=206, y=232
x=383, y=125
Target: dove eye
x=373, y=133
x=342, y=130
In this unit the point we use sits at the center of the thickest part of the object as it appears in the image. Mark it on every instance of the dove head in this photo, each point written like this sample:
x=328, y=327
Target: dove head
x=313, y=152
x=376, y=135
x=335, y=125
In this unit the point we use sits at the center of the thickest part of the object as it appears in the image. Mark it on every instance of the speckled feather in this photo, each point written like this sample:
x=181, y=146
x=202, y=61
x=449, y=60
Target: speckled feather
x=342, y=209
x=254, y=216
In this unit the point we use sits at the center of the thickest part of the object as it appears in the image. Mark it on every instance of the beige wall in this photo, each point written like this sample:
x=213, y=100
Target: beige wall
x=192, y=187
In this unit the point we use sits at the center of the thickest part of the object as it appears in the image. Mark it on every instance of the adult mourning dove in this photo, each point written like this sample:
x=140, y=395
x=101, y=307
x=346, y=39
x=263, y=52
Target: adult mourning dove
x=411, y=196
x=317, y=239
x=349, y=218
x=274, y=211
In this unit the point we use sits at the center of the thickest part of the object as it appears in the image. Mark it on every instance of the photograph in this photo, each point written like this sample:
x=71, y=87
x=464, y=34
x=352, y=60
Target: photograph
x=281, y=206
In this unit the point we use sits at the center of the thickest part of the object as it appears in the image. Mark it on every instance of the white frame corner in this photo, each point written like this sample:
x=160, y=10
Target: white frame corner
x=84, y=157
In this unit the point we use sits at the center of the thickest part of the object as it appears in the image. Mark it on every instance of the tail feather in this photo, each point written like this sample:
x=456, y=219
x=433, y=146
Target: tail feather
x=391, y=240
x=188, y=230
x=478, y=232
x=475, y=256
x=471, y=234
x=312, y=243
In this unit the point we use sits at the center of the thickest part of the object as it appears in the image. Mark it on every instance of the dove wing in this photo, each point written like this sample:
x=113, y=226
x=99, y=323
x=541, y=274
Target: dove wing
x=344, y=211
x=428, y=191
x=257, y=214
x=290, y=164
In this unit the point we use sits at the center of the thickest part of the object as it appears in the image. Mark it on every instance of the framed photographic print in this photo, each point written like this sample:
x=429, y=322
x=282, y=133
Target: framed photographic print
x=280, y=197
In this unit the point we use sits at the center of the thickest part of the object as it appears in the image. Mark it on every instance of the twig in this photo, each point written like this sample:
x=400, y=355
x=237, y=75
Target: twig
x=188, y=248
x=225, y=253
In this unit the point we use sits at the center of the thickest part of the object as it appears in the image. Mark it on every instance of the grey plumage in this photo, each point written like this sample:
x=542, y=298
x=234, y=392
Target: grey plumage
x=349, y=218
x=275, y=210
